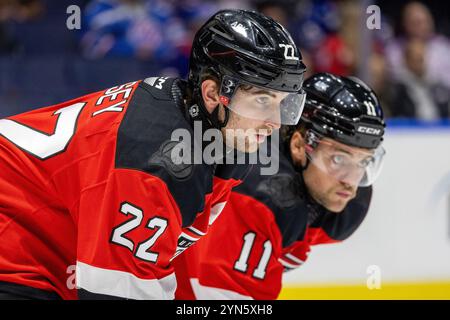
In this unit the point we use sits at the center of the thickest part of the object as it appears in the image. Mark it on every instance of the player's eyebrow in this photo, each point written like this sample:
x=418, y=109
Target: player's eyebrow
x=350, y=153
x=262, y=91
x=343, y=151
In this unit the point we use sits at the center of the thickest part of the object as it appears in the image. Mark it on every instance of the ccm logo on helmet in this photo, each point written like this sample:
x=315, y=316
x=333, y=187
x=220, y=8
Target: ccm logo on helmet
x=367, y=130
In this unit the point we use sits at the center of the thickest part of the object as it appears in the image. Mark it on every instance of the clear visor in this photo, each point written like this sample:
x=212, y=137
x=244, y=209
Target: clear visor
x=351, y=165
x=277, y=107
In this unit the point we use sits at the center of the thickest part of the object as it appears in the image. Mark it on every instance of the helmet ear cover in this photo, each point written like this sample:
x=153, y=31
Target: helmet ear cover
x=227, y=89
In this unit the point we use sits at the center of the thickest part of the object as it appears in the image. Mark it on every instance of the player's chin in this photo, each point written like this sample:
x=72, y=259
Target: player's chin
x=250, y=145
x=253, y=146
x=249, y=148
x=337, y=205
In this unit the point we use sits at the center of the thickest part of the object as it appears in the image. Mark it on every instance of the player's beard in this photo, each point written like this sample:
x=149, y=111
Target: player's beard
x=331, y=200
x=324, y=189
x=241, y=134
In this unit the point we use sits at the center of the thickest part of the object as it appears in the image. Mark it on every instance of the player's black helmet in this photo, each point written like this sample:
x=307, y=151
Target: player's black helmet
x=343, y=109
x=248, y=47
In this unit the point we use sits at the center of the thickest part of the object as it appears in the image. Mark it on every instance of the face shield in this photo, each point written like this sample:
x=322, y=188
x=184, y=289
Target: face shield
x=259, y=103
x=352, y=165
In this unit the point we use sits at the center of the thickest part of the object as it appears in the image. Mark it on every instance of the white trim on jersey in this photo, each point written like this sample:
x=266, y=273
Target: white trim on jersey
x=294, y=258
x=287, y=264
x=202, y=292
x=187, y=236
x=215, y=211
x=198, y=232
x=123, y=284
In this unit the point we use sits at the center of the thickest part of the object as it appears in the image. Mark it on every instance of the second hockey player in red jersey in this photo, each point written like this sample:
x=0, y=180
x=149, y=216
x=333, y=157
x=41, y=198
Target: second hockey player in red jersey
x=95, y=185
x=321, y=194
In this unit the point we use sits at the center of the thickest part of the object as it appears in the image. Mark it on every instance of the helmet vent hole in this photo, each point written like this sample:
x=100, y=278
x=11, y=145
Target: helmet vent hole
x=261, y=40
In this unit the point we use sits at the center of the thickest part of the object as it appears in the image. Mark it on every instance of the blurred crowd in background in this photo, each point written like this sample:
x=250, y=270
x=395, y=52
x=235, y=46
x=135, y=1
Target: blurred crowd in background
x=42, y=62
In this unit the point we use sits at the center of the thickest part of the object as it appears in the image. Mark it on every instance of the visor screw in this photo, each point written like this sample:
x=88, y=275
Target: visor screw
x=193, y=111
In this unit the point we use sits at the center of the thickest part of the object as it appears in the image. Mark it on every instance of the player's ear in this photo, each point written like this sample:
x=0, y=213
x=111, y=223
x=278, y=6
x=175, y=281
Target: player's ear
x=210, y=95
x=297, y=145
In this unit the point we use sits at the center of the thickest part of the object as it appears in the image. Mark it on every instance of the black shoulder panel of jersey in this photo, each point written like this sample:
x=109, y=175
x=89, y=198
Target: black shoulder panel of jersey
x=233, y=171
x=20, y=292
x=236, y=165
x=340, y=226
x=282, y=194
x=144, y=143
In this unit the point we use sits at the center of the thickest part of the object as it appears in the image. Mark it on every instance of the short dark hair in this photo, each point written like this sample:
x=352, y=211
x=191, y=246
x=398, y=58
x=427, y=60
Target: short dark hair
x=286, y=131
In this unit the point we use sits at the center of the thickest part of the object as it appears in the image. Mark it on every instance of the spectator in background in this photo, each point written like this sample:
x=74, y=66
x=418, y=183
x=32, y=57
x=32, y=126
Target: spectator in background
x=20, y=10
x=279, y=11
x=16, y=11
x=193, y=13
x=275, y=9
x=158, y=31
x=415, y=96
x=418, y=24
x=321, y=29
x=131, y=28
x=379, y=79
x=337, y=52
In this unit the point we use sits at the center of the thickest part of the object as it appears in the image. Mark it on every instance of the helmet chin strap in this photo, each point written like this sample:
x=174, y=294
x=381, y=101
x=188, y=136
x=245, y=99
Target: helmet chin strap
x=315, y=209
x=310, y=143
x=303, y=168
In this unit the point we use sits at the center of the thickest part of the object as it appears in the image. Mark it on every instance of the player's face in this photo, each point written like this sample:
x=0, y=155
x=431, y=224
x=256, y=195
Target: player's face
x=328, y=191
x=331, y=176
x=246, y=130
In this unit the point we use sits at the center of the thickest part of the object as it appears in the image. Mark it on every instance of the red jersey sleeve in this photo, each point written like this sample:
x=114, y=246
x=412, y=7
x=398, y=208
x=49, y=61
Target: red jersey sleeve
x=238, y=259
x=129, y=226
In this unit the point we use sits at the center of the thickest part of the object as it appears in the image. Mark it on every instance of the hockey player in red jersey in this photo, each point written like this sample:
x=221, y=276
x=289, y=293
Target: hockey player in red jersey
x=321, y=194
x=94, y=202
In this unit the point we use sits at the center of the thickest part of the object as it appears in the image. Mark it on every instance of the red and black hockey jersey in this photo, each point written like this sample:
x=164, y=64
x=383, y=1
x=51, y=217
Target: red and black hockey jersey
x=267, y=227
x=90, y=198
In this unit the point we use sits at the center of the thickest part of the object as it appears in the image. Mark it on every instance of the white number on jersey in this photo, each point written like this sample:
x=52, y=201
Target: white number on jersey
x=142, y=251
x=242, y=263
x=41, y=144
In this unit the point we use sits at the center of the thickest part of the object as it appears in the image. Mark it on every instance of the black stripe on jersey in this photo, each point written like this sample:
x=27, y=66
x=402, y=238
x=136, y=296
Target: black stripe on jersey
x=232, y=171
x=87, y=295
x=17, y=291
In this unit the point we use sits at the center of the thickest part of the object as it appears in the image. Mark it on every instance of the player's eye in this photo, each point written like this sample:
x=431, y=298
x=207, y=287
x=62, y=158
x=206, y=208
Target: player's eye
x=366, y=162
x=263, y=101
x=337, y=159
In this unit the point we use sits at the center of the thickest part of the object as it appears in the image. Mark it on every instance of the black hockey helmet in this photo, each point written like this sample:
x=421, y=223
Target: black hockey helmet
x=347, y=111
x=344, y=109
x=246, y=47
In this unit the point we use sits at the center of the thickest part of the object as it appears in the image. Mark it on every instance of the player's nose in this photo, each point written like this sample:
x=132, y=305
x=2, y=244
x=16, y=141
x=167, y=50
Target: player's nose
x=274, y=122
